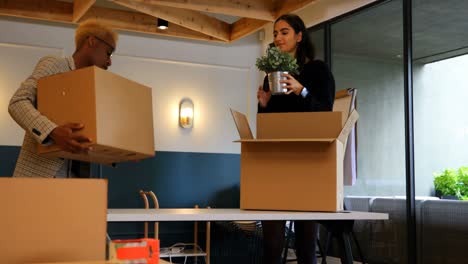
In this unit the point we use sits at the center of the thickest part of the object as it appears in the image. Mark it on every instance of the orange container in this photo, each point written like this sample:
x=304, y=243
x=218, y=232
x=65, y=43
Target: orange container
x=143, y=250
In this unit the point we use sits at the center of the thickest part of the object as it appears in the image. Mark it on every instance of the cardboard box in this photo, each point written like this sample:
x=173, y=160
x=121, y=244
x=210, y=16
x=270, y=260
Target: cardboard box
x=52, y=220
x=117, y=113
x=296, y=161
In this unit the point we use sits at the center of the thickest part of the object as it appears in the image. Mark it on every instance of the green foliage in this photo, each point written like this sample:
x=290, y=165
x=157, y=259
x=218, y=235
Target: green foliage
x=446, y=182
x=463, y=180
x=276, y=60
x=452, y=182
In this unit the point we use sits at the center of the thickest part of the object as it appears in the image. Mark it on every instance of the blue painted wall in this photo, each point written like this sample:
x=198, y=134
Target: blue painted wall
x=179, y=179
x=8, y=156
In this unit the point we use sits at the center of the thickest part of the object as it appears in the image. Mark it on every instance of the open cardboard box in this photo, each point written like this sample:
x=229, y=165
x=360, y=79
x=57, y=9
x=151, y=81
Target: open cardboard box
x=296, y=161
x=117, y=114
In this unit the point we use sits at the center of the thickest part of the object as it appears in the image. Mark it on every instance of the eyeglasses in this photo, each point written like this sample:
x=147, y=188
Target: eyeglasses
x=109, y=53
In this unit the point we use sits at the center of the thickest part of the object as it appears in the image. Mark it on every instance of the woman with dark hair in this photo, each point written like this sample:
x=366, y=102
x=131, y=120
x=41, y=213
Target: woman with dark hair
x=313, y=90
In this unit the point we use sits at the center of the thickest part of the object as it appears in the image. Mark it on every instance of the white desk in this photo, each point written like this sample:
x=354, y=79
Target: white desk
x=341, y=222
x=182, y=214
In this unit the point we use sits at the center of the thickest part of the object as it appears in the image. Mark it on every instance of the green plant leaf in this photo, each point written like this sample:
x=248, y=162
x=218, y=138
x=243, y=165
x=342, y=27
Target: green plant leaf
x=463, y=180
x=447, y=182
x=276, y=60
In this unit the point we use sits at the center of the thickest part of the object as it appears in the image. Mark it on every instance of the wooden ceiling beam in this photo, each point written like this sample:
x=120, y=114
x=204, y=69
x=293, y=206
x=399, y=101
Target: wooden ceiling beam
x=289, y=6
x=184, y=23
x=186, y=18
x=142, y=23
x=246, y=26
x=80, y=7
x=58, y=11
x=37, y=9
x=258, y=9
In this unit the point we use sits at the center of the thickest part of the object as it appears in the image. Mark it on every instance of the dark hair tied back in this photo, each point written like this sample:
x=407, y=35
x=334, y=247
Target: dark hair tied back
x=305, y=48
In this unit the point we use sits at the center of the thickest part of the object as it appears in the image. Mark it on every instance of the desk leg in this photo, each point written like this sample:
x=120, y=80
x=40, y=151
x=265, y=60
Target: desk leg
x=208, y=242
x=328, y=243
x=345, y=248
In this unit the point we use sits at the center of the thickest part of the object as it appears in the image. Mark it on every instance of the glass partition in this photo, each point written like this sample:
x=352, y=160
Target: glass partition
x=440, y=62
x=366, y=54
x=317, y=36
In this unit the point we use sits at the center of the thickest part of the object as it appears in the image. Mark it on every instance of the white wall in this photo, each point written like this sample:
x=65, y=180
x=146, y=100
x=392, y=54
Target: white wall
x=440, y=119
x=17, y=61
x=214, y=76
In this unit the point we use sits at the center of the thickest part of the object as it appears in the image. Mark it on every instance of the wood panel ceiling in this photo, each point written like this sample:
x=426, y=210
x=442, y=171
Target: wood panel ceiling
x=192, y=19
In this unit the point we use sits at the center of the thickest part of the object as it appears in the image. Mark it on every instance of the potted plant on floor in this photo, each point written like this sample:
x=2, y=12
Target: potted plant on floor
x=452, y=184
x=275, y=63
x=445, y=184
x=463, y=182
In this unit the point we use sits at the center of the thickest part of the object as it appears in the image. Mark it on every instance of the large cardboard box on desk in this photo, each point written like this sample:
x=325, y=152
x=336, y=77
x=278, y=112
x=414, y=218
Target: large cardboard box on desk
x=47, y=220
x=296, y=161
x=117, y=113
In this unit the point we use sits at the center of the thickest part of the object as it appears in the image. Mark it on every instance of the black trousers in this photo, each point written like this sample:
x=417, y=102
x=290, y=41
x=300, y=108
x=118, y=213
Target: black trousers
x=273, y=241
x=80, y=169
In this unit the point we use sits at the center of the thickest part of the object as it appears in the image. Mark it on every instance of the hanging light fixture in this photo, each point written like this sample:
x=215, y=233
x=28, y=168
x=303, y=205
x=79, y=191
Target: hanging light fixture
x=163, y=24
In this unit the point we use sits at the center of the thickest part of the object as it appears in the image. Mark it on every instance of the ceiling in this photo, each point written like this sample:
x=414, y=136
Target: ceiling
x=440, y=28
x=210, y=20
x=440, y=31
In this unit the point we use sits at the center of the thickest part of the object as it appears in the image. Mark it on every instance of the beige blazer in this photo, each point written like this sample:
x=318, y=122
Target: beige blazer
x=22, y=109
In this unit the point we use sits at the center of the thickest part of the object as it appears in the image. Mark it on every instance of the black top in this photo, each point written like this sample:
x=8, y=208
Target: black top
x=319, y=81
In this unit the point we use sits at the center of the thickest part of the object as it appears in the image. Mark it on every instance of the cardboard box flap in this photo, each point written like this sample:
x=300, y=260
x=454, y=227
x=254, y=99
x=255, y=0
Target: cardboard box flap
x=242, y=124
x=343, y=103
x=352, y=119
x=299, y=125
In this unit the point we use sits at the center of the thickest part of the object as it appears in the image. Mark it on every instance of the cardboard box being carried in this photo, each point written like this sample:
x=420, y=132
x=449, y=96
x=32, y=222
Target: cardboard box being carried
x=117, y=113
x=296, y=161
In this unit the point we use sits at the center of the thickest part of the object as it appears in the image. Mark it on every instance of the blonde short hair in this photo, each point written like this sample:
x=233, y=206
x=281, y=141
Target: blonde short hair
x=93, y=28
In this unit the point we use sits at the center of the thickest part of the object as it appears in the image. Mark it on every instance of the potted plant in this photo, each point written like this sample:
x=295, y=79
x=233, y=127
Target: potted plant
x=445, y=184
x=452, y=184
x=463, y=182
x=274, y=63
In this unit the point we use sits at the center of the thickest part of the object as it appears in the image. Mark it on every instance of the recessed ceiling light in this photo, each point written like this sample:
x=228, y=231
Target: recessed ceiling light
x=163, y=24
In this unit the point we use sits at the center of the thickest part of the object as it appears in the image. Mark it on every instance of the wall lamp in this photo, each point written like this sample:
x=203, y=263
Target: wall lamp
x=186, y=113
x=163, y=24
